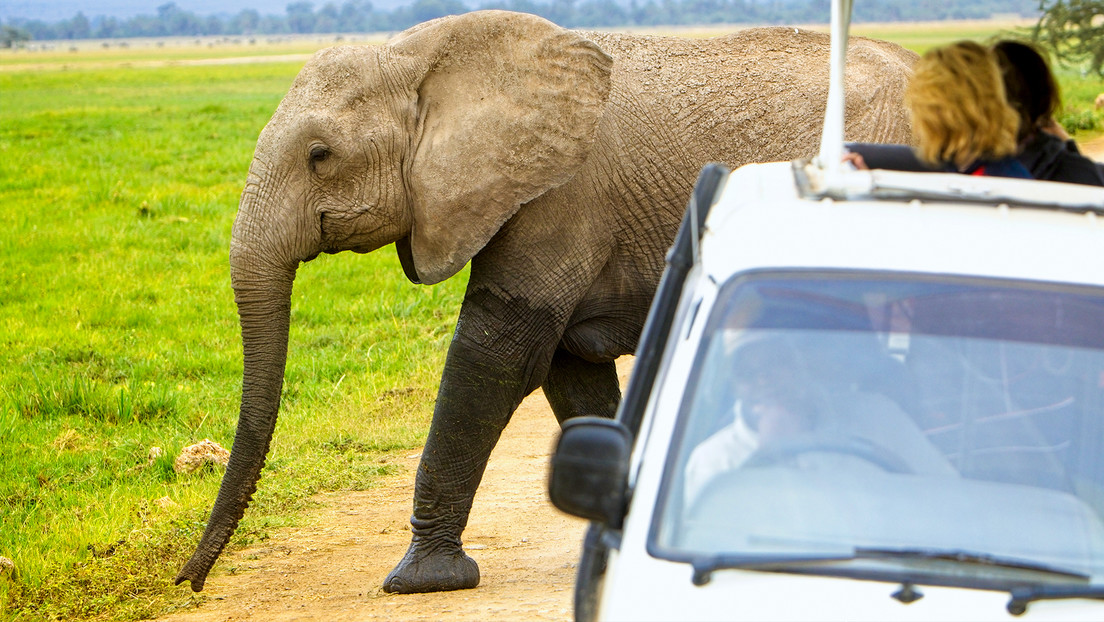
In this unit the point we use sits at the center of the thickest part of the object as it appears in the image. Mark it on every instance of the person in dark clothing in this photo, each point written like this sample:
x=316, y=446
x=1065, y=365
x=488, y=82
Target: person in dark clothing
x=1050, y=157
x=1044, y=147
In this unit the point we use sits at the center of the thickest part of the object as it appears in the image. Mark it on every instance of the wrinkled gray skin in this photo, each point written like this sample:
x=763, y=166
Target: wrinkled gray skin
x=558, y=163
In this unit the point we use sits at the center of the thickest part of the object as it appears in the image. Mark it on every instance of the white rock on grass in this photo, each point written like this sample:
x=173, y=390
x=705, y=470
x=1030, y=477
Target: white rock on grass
x=194, y=457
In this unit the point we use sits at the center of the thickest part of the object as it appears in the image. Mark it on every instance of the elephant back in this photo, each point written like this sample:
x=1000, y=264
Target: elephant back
x=765, y=89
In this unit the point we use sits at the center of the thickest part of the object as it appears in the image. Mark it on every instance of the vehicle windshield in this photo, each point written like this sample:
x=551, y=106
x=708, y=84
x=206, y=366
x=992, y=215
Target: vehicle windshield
x=959, y=423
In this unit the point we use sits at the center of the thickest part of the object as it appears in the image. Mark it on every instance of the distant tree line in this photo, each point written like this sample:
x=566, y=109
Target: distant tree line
x=361, y=16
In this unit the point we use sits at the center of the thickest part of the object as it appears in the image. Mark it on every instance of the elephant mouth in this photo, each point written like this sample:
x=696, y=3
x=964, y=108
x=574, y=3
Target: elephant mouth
x=351, y=231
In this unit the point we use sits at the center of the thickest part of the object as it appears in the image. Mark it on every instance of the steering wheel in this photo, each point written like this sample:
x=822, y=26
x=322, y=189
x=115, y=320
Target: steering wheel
x=855, y=446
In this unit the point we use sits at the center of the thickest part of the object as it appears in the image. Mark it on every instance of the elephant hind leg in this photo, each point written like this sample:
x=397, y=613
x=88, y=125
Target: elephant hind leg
x=577, y=387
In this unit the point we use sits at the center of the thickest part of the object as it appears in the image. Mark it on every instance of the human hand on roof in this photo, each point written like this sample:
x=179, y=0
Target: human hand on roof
x=856, y=160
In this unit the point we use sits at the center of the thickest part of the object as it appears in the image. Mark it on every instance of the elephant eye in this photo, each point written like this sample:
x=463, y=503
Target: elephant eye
x=318, y=154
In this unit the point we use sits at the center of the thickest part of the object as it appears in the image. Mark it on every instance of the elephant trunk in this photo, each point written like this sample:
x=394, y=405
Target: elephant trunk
x=263, y=296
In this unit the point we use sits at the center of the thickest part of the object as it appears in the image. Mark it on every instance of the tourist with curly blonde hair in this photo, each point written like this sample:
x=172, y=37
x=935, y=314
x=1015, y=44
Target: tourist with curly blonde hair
x=961, y=118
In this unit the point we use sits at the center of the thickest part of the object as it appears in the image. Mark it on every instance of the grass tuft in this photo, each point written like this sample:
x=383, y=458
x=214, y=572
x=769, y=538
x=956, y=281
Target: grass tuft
x=94, y=400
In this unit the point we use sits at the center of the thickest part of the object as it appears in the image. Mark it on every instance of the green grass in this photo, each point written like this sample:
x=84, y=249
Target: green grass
x=118, y=188
x=90, y=53
x=920, y=37
x=1079, y=115
x=117, y=192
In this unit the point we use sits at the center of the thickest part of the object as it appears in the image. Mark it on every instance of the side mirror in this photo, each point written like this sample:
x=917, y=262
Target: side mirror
x=590, y=469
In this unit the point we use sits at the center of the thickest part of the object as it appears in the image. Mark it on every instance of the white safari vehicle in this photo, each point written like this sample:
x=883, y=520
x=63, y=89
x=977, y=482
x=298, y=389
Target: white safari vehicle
x=860, y=395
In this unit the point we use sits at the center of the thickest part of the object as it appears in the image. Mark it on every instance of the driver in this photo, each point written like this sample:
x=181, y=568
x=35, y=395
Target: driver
x=780, y=404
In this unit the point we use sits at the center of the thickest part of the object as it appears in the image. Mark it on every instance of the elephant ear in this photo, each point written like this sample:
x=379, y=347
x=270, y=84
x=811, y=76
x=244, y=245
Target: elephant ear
x=508, y=109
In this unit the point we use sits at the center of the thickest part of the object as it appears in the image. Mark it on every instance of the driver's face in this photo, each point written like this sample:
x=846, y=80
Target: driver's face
x=772, y=397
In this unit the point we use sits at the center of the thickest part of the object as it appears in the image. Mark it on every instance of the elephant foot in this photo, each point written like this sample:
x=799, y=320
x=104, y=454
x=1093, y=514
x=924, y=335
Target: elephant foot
x=437, y=570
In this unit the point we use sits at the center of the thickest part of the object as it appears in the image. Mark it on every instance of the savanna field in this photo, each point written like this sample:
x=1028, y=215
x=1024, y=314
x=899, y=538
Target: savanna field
x=120, y=171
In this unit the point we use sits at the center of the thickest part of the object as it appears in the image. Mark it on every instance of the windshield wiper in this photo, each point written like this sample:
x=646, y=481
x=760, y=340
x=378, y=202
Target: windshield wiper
x=969, y=557
x=705, y=566
x=1023, y=596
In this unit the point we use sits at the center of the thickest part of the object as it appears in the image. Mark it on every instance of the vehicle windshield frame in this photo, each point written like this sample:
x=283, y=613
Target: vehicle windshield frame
x=828, y=566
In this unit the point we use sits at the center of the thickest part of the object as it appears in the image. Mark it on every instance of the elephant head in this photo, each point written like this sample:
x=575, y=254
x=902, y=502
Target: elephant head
x=432, y=142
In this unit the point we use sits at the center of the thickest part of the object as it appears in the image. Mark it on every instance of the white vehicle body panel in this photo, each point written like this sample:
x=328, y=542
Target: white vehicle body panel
x=763, y=596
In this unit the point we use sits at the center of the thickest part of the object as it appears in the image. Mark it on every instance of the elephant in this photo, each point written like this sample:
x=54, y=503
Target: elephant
x=557, y=163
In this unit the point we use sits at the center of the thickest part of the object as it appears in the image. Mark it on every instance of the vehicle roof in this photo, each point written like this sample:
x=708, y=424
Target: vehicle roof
x=761, y=221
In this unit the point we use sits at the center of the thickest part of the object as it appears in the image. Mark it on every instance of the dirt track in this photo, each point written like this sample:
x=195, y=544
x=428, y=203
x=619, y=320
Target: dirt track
x=332, y=569
x=1094, y=149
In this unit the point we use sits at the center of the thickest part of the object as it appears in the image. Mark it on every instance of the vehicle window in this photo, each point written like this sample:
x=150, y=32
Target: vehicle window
x=843, y=412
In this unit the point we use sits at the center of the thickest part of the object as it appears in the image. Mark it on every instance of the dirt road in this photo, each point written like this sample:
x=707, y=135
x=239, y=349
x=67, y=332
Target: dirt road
x=332, y=569
x=1094, y=149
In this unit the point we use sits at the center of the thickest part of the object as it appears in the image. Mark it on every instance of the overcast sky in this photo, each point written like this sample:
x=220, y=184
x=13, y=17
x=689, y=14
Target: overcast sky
x=54, y=10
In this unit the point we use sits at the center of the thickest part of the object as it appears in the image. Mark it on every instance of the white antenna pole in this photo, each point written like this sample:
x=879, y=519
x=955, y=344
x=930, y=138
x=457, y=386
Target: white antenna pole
x=831, y=140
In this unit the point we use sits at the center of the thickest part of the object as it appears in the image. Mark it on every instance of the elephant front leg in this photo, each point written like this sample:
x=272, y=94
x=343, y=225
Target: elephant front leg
x=435, y=560
x=474, y=404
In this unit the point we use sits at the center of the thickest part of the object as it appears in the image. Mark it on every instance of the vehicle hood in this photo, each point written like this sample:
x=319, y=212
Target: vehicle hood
x=669, y=594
